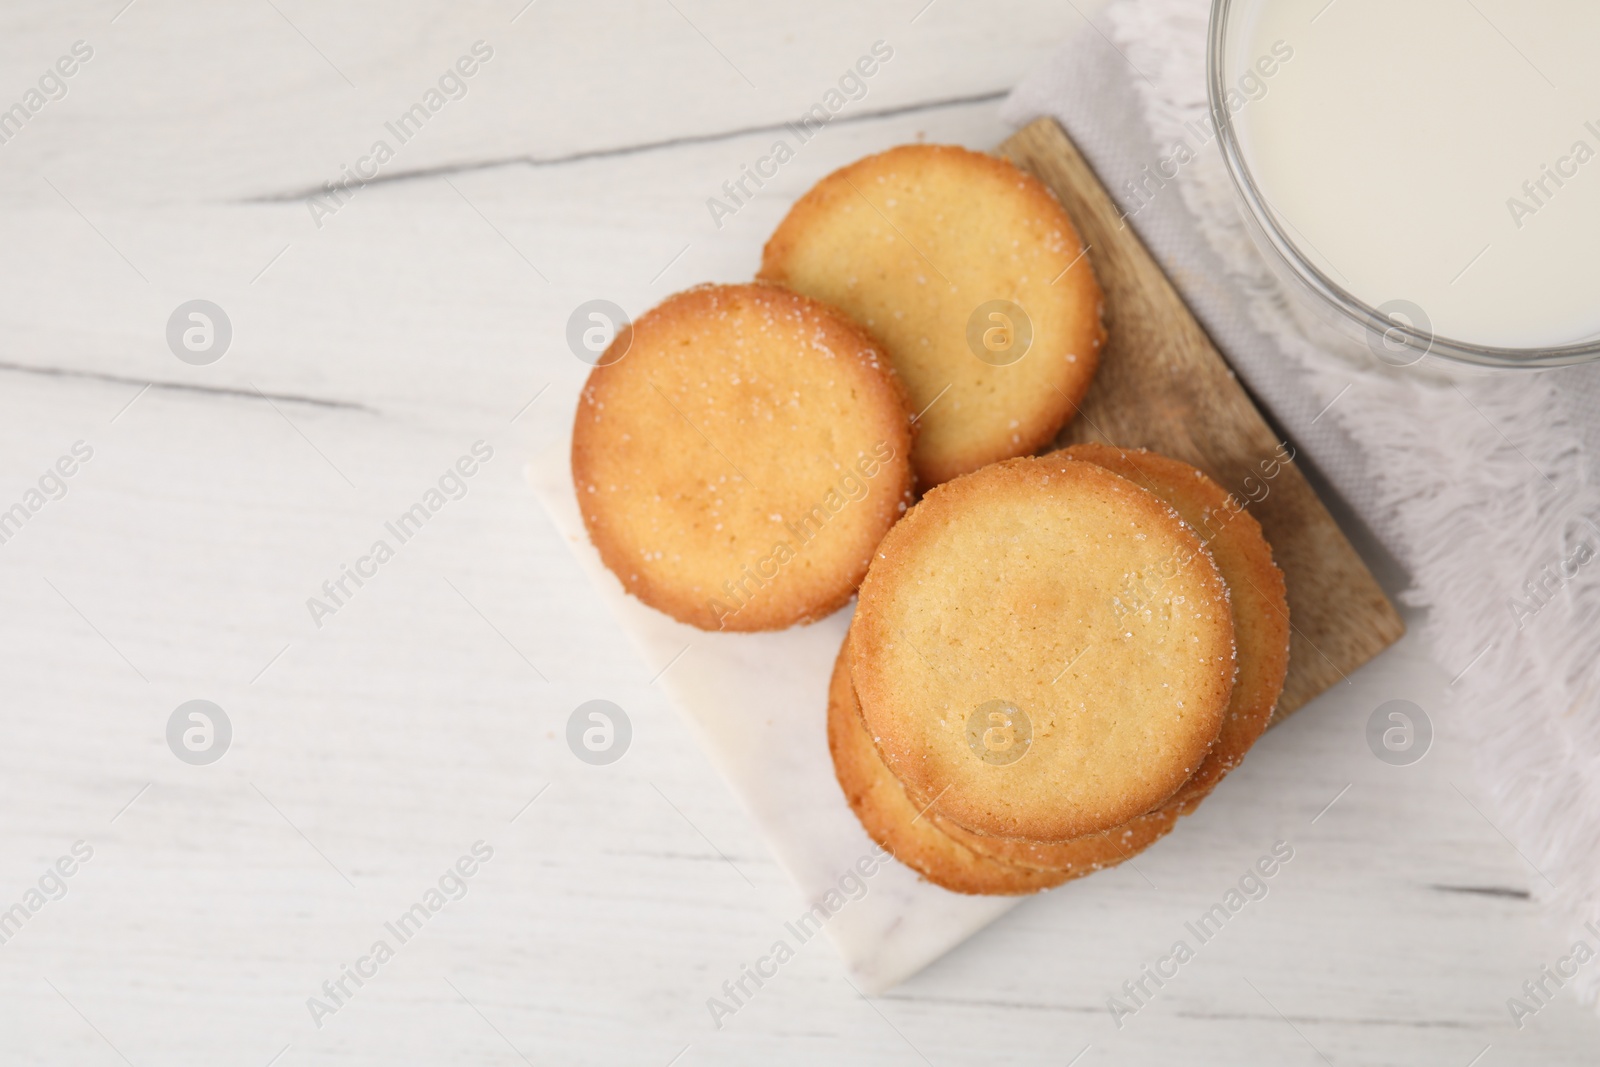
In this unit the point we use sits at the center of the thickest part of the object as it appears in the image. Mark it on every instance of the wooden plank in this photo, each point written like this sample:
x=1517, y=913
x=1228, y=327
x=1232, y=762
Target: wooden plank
x=1163, y=385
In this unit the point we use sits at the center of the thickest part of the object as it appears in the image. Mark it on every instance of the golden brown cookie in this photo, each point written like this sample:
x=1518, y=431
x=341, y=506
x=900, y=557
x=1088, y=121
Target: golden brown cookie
x=932, y=248
x=1081, y=855
x=893, y=821
x=1256, y=593
x=995, y=675
x=738, y=453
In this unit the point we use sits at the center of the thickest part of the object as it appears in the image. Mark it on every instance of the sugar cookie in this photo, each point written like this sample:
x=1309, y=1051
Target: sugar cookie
x=934, y=249
x=997, y=678
x=739, y=459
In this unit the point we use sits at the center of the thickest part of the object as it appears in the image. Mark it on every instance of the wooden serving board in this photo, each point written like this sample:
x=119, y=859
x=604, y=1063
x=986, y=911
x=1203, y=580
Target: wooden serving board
x=1163, y=385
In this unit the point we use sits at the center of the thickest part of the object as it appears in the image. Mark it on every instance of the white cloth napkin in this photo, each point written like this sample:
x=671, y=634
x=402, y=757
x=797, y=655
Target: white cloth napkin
x=1480, y=486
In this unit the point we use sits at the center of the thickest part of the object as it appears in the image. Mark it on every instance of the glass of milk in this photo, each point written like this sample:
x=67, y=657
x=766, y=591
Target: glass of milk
x=1429, y=170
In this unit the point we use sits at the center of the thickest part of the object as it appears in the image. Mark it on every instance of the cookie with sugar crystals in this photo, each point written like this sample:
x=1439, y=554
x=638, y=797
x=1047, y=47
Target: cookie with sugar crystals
x=738, y=453
x=1255, y=589
x=995, y=673
x=893, y=821
x=973, y=277
x=1078, y=857
x=1261, y=631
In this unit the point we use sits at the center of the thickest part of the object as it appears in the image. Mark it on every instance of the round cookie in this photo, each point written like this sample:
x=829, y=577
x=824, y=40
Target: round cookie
x=894, y=822
x=1081, y=855
x=1256, y=594
x=921, y=244
x=997, y=678
x=738, y=454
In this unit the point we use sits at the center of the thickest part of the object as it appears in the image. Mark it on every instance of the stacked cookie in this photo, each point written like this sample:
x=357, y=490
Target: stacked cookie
x=1052, y=659
x=1053, y=656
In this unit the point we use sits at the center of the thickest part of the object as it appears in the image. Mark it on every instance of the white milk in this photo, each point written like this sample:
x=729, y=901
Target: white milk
x=1444, y=152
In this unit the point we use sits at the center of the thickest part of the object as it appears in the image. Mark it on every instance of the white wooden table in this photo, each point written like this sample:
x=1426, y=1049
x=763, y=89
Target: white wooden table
x=370, y=753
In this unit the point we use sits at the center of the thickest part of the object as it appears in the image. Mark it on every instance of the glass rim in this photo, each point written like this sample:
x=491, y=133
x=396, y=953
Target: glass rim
x=1335, y=296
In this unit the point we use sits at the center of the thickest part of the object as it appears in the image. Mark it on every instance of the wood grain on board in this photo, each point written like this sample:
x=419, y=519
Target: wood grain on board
x=1163, y=385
